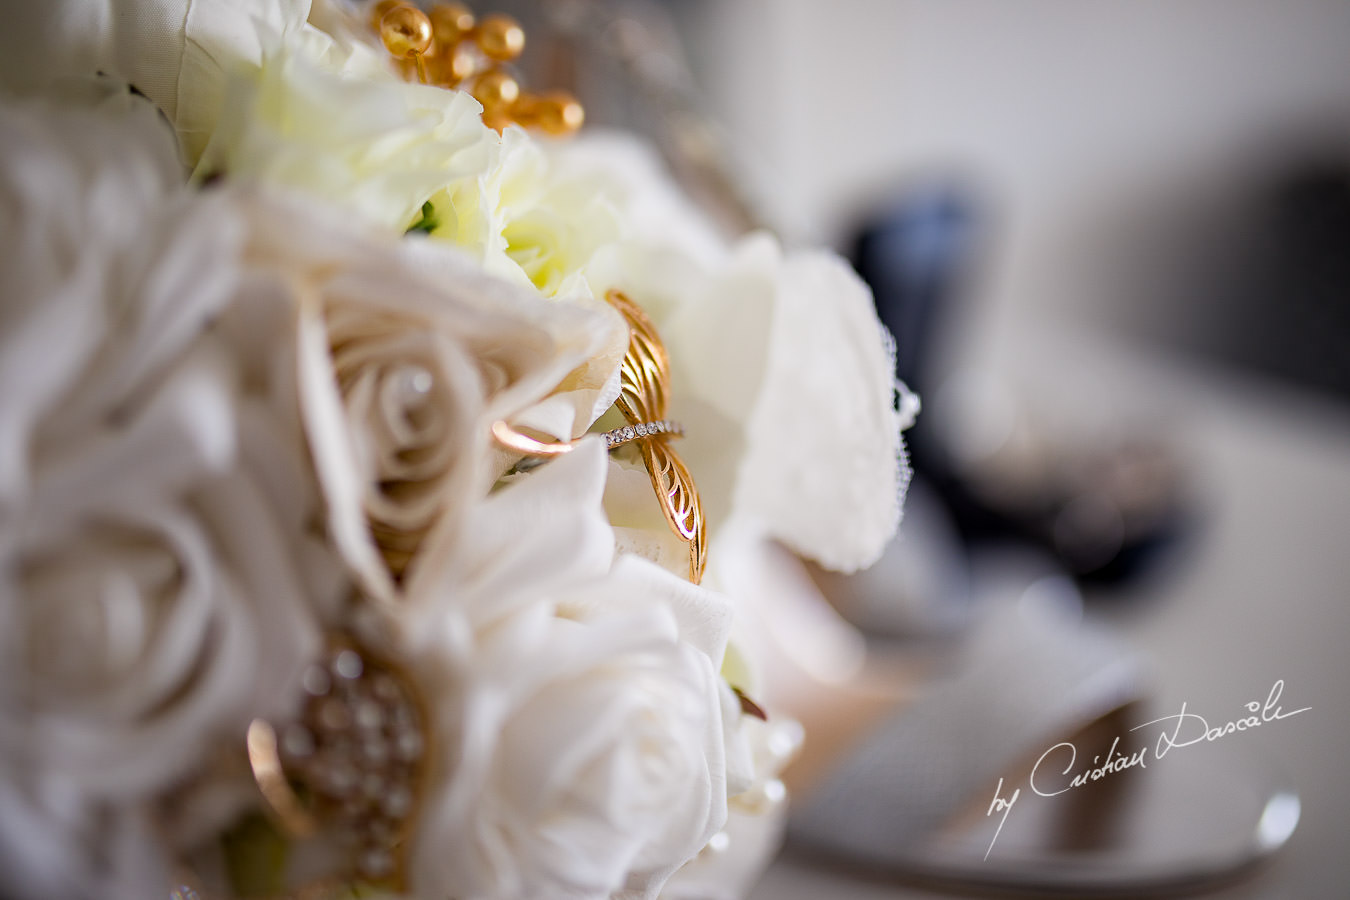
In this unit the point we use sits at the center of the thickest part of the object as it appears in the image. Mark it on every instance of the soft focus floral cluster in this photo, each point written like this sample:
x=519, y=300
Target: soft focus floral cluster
x=244, y=404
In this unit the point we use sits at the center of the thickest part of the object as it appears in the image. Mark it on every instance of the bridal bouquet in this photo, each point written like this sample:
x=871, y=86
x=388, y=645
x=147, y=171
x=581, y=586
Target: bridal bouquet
x=372, y=449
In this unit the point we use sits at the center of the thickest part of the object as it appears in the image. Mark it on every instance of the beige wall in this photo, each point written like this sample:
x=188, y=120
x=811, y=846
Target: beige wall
x=1073, y=116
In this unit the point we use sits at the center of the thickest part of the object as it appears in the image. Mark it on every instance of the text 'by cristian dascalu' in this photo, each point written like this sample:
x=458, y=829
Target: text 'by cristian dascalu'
x=1058, y=770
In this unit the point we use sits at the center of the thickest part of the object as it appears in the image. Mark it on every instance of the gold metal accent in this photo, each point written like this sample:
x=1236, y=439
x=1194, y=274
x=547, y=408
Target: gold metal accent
x=500, y=37
x=354, y=762
x=644, y=396
x=496, y=90
x=451, y=22
x=380, y=8
x=553, y=112
x=449, y=48
x=514, y=440
x=272, y=782
x=406, y=33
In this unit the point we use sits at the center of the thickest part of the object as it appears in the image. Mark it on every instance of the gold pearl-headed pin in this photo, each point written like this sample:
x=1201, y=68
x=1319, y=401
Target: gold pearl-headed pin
x=380, y=8
x=500, y=37
x=557, y=113
x=450, y=23
x=449, y=47
x=406, y=33
x=496, y=90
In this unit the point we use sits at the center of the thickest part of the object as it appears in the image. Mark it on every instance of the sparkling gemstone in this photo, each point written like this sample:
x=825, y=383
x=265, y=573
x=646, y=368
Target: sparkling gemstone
x=354, y=811
x=333, y=715
x=397, y=803
x=315, y=681
x=368, y=715
x=337, y=779
x=403, y=716
x=380, y=831
x=347, y=664
x=297, y=742
x=408, y=745
x=339, y=746
x=373, y=786
x=641, y=429
x=375, y=862
x=383, y=687
x=629, y=433
x=375, y=752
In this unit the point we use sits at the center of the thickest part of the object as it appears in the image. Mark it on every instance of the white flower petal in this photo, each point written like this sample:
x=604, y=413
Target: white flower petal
x=481, y=350
x=783, y=379
x=379, y=148
x=542, y=533
x=184, y=433
x=151, y=600
x=825, y=469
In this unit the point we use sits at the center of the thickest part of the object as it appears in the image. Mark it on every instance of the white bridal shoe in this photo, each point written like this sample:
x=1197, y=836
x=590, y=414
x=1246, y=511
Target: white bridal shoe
x=1034, y=690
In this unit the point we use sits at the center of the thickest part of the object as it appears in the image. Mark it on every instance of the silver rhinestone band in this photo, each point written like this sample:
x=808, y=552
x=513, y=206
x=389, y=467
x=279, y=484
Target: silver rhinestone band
x=641, y=430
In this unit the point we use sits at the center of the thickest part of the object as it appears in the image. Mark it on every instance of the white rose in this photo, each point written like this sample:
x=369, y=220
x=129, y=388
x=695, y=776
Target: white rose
x=784, y=381
x=150, y=499
x=825, y=469
x=409, y=352
x=179, y=53
x=579, y=710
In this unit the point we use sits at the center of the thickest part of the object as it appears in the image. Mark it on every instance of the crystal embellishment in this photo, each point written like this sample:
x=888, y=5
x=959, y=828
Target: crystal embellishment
x=356, y=753
x=643, y=429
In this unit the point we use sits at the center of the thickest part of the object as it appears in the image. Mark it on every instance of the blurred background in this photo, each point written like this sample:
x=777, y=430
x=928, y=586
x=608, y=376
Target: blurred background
x=1113, y=243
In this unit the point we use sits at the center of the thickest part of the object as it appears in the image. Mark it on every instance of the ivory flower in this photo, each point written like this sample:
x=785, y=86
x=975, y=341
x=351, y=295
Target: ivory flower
x=578, y=703
x=525, y=219
x=371, y=144
x=153, y=582
x=409, y=352
x=783, y=379
x=545, y=208
x=233, y=416
x=179, y=53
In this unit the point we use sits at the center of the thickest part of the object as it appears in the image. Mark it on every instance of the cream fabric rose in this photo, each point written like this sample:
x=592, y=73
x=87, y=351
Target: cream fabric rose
x=153, y=593
x=580, y=714
x=408, y=353
x=728, y=867
x=783, y=379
